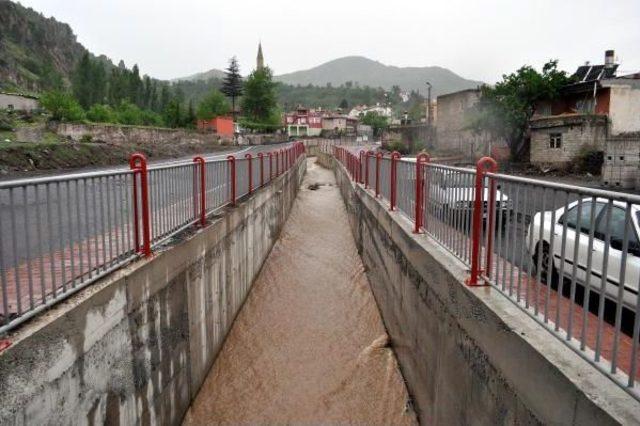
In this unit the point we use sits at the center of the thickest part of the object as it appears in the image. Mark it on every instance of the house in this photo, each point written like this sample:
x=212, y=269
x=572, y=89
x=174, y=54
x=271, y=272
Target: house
x=303, y=122
x=456, y=112
x=18, y=102
x=361, y=110
x=223, y=126
x=596, y=107
x=339, y=124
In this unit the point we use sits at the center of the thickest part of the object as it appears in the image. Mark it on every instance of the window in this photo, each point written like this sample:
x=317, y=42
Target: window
x=555, y=140
x=618, y=225
x=585, y=216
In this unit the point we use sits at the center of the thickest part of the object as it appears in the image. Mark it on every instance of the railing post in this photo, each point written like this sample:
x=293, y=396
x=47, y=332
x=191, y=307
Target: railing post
x=261, y=157
x=378, y=161
x=484, y=164
x=277, y=164
x=270, y=154
x=248, y=157
x=138, y=163
x=366, y=169
x=200, y=164
x=281, y=160
x=393, y=181
x=421, y=160
x=232, y=176
x=361, y=156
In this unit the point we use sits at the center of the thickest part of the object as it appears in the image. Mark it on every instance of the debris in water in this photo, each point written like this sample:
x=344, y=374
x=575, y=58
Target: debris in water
x=313, y=186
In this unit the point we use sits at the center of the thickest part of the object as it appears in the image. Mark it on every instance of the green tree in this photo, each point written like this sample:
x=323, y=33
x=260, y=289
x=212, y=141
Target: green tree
x=377, y=122
x=173, y=113
x=343, y=104
x=212, y=106
x=82, y=81
x=232, y=84
x=62, y=106
x=129, y=113
x=504, y=110
x=259, y=102
x=100, y=113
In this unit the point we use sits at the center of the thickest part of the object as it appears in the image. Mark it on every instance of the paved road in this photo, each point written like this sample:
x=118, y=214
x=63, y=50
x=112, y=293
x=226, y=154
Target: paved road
x=67, y=210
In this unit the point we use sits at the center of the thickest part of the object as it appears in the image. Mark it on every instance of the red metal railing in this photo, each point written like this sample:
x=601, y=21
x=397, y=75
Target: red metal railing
x=138, y=164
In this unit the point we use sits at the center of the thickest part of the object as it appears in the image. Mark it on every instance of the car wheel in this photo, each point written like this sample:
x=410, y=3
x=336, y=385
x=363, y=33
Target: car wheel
x=542, y=249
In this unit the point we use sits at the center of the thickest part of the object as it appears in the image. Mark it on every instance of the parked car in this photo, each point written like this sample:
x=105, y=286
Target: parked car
x=452, y=195
x=541, y=249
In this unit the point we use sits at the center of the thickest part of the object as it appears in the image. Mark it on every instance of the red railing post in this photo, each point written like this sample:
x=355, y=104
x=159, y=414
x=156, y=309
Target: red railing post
x=203, y=203
x=261, y=157
x=281, y=160
x=138, y=163
x=277, y=164
x=249, y=159
x=484, y=165
x=378, y=161
x=361, y=156
x=395, y=156
x=232, y=176
x=366, y=169
x=421, y=160
x=270, y=154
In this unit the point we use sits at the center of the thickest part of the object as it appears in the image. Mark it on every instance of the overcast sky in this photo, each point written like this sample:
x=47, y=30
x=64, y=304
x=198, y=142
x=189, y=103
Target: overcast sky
x=477, y=39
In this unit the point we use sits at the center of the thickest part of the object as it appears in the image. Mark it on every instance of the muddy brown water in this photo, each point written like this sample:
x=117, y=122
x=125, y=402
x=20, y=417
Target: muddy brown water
x=309, y=345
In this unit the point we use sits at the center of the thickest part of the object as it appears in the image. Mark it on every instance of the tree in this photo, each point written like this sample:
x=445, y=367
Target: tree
x=212, y=106
x=173, y=113
x=62, y=106
x=504, y=111
x=259, y=102
x=82, y=83
x=232, y=84
x=343, y=104
x=377, y=122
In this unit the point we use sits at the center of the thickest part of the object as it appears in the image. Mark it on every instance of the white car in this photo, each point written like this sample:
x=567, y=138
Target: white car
x=450, y=192
x=618, y=228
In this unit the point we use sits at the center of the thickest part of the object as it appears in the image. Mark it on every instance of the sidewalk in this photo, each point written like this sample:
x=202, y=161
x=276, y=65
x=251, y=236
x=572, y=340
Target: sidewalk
x=309, y=345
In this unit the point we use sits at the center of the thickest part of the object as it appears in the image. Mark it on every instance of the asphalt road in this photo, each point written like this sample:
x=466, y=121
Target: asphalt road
x=59, y=214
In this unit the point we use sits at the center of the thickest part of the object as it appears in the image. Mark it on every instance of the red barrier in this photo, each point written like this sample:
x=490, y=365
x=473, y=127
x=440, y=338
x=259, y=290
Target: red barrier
x=249, y=159
x=232, y=172
x=281, y=160
x=138, y=163
x=378, y=161
x=484, y=165
x=261, y=157
x=277, y=164
x=203, y=203
x=366, y=169
x=393, y=181
x=270, y=154
x=361, y=156
x=421, y=160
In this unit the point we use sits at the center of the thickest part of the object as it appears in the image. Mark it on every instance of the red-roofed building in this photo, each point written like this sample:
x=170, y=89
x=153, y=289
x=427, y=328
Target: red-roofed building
x=303, y=122
x=220, y=125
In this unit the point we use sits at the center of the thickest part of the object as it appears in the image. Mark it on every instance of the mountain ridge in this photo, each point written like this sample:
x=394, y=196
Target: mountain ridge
x=360, y=70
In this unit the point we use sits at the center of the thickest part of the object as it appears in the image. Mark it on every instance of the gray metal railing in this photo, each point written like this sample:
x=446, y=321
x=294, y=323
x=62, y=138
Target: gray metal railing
x=568, y=256
x=59, y=234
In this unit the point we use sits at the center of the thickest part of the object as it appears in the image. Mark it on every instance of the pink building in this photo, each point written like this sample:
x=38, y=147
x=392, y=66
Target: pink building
x=303, y=122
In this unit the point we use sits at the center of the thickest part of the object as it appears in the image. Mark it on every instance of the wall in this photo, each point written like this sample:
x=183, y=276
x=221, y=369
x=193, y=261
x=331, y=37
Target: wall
x=469, y=355
x=20, y=103
x=455, y=113
x=126, y=135
x=624, y=108
x=135, y=348
x=577, y=130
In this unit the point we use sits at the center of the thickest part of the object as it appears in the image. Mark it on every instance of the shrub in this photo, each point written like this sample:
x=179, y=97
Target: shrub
x=101, y=114
x=62, y=106
x=588, y=160
x=396, y=145
x=86, y=138
x=128, y=113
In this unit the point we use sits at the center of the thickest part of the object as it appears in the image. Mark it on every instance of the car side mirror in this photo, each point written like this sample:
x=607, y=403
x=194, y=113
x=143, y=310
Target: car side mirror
x=616, y=243
x=634, y=249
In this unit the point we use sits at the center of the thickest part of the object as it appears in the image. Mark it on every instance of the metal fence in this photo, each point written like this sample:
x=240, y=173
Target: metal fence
x=568, y=256
x=59, y=234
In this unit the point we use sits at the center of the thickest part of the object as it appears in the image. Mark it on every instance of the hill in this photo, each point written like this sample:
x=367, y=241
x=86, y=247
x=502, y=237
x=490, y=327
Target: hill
x=364, y=71
x=36, y=53
x=207, y=75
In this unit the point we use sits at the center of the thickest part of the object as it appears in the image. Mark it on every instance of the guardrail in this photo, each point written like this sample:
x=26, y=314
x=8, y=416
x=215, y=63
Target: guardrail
x=568, y=256
x=59, y=234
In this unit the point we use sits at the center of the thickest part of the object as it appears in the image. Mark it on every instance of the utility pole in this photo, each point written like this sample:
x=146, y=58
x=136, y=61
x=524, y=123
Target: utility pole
x=429, y=120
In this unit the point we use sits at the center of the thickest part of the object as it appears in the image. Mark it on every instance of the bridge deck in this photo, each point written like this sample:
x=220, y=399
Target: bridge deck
x=309, y=344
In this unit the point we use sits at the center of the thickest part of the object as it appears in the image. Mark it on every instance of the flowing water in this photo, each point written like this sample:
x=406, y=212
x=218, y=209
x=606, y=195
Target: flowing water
x=309, y=345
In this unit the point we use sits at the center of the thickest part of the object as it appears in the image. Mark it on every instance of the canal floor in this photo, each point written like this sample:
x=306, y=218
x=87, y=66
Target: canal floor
x=309, y=345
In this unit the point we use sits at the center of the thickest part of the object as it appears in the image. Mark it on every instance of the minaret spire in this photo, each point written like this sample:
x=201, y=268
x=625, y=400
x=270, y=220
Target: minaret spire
x=260, y=60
